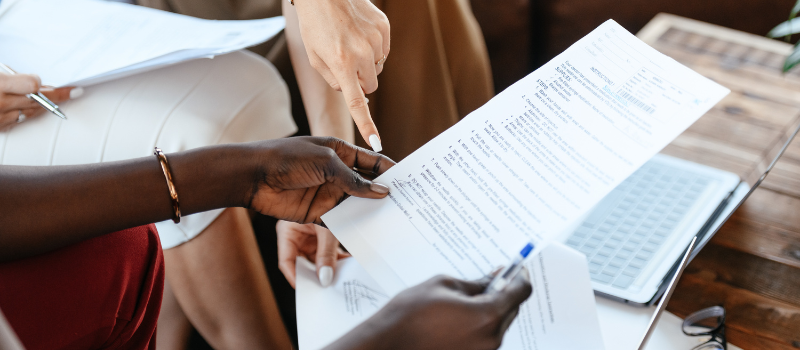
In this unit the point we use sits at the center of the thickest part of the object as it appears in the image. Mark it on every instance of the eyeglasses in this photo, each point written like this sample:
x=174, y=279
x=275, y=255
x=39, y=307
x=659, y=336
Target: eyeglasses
x=707, y=322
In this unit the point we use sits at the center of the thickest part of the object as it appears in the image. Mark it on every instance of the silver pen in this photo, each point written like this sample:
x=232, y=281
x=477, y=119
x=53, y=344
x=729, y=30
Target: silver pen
x=38, y=97
x=510, y=271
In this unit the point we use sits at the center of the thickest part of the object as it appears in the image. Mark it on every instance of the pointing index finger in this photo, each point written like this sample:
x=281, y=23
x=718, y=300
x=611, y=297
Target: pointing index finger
x=359, y=110
x=20, y=84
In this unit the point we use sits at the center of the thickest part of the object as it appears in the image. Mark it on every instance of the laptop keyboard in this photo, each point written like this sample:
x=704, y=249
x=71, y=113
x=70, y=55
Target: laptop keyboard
x=631, y=224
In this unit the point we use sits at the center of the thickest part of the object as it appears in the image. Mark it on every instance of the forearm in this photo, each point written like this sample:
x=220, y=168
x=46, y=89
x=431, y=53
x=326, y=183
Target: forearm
x=325, y=107
x=45, y=208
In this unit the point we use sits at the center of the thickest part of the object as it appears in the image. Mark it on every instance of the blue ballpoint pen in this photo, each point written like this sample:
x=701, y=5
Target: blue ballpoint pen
x=38, y=97
x=510, y=271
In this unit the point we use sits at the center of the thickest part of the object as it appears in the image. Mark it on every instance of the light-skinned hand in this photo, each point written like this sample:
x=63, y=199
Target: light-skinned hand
x=13, y=89
x=347, y=42
x=315, y=243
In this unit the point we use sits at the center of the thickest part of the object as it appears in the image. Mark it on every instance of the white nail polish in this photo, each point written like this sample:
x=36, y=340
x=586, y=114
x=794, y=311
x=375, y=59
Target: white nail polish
x=375, y=143
x=366, y=100
x=325, y=276
x=75, y=93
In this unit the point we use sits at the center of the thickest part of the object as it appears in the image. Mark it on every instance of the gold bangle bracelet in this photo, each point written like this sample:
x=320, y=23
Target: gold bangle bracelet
x=173, y=194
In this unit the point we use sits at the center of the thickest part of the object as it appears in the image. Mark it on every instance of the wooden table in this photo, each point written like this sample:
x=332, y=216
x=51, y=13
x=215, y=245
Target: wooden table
x=752, y=266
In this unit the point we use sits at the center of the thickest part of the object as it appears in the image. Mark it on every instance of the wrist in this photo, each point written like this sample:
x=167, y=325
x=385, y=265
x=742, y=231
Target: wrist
x=381, y=331
x=214, y=177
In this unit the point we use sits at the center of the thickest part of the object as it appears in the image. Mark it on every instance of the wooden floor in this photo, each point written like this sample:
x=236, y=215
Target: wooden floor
x=752, y=266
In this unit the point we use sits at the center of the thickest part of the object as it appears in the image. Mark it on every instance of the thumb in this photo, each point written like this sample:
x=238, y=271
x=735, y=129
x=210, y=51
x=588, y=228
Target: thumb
x=515, y=293
x=287, y=252
x=327, y=253
x=353, y=184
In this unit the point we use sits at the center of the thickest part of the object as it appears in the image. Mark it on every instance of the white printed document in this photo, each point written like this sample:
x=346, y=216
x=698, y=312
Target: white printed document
x=560, y=314
x=85, y=42
x=326, y=314
x=527, y=164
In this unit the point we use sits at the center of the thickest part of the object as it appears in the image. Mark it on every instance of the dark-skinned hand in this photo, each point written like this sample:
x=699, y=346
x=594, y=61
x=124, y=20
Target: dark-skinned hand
x=302, y=178
x=442, y=313
x=296, y=179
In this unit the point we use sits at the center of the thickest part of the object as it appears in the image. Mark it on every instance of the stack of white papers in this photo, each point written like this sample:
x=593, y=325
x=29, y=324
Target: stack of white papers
x=523, y=168
x=326, y=314
x=85, y=42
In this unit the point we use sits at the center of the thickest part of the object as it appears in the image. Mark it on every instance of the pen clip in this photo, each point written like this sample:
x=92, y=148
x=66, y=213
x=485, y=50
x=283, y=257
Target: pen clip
x=46, y=100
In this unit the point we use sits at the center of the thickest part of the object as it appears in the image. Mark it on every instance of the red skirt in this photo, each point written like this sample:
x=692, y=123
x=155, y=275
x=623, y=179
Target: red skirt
x=103, y=293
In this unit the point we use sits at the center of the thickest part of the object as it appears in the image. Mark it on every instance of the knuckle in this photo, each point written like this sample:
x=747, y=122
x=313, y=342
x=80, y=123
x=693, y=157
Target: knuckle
x=328, y=255
x=30, y=113
x=330, y=144
x=492, y=315
x=341, y=58
x=330, y=155
x=315, y=63
x=61, y=94
x=384, y=24
x=371, y=86
x=284, y=266
x=357, y=179
x=445, y=280
x=329, y=140
x=366, y=52
x=527, y=289
x=31, y=83
x=357, y=103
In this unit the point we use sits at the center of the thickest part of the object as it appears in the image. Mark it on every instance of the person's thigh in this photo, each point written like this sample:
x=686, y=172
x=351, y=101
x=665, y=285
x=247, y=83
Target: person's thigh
x=238, y=97
x=104, y=292
x=174, y=327
x=220, y=282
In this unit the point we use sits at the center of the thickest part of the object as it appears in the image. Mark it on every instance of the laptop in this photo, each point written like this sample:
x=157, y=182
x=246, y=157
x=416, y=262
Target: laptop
x=635, y=237
x=662, y=305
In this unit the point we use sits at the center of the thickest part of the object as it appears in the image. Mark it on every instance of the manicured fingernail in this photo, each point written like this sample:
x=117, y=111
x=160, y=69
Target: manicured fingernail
x=379, y=188
x=325, y=276
x=75, y=93
x=366, y=100
x=375, y=143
